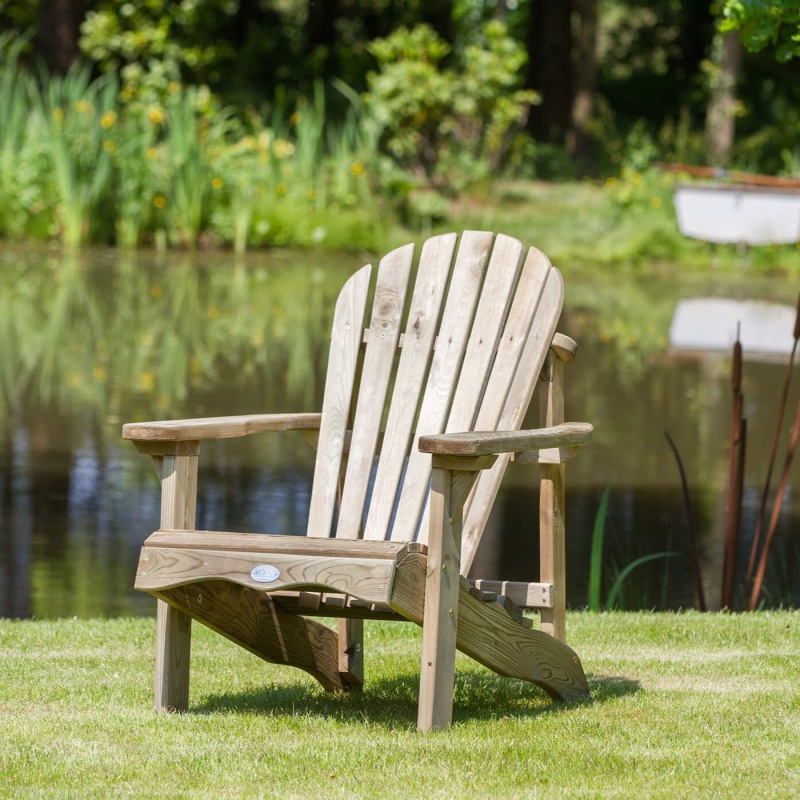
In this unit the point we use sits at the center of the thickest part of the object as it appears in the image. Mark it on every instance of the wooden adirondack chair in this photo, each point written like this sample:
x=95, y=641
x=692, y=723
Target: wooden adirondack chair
x=402, y=487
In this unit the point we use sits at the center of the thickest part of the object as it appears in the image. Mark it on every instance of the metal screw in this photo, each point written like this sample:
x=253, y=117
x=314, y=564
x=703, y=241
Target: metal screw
x=199, y=598
x=444, y=567
x=452, y=612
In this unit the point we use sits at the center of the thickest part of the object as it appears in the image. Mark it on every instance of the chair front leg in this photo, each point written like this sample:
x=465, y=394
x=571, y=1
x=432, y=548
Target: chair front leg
x=177, y=471
x=437, y=675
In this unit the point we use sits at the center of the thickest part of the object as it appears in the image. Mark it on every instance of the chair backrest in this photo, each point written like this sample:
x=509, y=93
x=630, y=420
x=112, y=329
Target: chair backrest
x=463, y=353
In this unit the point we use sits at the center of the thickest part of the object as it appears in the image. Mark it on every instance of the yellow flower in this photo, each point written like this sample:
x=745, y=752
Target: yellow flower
x=159, y=201
x=109, y=146
x=156, y=292
x=295, y=118
x=611, y=183
x=357, y=168
x=312, y=195
x=282, y=148
x=656, y=202
x=83, y=106
x=58, y=115
x=217, y=183
x=147, y=381
x=151, y=153
x=156, y=115
x=213, y=313
x=173, y=86
x=108, y=119
x=99, y=374
x=281, y=188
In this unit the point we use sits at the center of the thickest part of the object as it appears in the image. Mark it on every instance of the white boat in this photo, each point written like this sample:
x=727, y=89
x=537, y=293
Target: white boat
x=710, y=324
x=729, y=213
x=736, y=207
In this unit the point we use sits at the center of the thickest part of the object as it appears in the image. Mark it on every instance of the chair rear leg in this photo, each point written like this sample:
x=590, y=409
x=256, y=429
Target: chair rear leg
x=351, y=652
x=552, y=548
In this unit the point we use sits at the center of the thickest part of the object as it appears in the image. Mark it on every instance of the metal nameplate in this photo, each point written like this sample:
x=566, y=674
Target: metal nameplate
x=265, y=573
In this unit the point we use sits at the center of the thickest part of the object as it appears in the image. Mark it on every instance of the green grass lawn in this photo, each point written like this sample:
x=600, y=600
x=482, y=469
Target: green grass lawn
x=683, y=706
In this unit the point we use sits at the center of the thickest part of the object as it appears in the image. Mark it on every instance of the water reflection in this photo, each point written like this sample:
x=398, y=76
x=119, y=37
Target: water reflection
x=96, y=340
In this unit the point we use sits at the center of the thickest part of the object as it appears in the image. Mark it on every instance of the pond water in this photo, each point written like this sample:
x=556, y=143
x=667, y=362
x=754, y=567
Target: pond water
x=91, y=341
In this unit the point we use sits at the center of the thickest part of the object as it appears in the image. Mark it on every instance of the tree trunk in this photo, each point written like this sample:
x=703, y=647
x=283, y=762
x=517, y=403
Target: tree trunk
x=720, y=121
x=59, y=29
x=581, y=141
x=549, y=45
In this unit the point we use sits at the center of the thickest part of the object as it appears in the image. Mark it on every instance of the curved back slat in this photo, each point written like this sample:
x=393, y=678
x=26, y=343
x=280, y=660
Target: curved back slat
x=462, y=298
x=420, y=334
x=346, y=334
x=476, y=333
x=476, y=511
x=382, y=338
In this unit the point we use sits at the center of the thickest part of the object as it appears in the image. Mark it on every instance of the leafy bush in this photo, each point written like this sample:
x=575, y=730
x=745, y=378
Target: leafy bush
x=443, y=127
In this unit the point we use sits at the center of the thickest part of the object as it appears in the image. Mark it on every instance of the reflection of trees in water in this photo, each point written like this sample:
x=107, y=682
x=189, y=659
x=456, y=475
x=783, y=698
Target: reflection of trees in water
x=137, y=335
x=93, y=341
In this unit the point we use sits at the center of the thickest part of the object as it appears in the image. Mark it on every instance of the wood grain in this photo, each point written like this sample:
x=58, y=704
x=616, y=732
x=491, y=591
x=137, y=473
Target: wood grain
x=478, y=507
x=478, y=443
x=489, y=635
x=465, y=285
x=423, y=319
x=348, y=322
x=273, y=543
x=387, y=311
x=178, y=477
x=254, y=622
x=366, y=578
x=440, y=621
x=179, y=430
x=525, y=595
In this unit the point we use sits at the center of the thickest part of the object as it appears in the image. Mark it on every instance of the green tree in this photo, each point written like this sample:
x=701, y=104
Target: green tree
x=766, y=23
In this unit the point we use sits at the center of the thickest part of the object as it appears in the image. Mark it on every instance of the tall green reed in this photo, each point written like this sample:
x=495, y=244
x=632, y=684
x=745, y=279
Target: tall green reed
x=78, y=112
x=135, y=164
x=22, y=144
x=83, y=162
x=615, y=593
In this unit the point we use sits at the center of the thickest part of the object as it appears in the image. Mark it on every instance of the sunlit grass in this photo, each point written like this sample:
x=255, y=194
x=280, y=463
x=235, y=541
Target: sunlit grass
x=684, y=705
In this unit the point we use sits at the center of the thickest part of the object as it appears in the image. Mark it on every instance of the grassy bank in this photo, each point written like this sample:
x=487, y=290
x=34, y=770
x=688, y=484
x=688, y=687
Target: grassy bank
x=683, y=706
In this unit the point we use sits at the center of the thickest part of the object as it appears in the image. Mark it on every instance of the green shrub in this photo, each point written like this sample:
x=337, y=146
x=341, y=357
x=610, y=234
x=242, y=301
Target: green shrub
x=444, y=127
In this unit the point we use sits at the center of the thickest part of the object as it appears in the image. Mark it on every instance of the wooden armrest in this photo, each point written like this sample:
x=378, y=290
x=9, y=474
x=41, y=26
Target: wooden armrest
x=564, y=347
x=479, y=443
x=182, y=430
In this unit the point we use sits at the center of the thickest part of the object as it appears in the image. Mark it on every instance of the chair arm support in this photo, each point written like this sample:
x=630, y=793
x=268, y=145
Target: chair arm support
x=182, y=430
x=479, y=443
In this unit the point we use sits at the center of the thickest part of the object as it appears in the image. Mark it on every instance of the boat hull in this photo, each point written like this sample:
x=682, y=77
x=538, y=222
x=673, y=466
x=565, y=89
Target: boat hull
x=736, y=214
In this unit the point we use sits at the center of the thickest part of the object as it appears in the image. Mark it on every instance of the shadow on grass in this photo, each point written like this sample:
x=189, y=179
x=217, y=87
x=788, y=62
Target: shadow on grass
x=392, y=702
